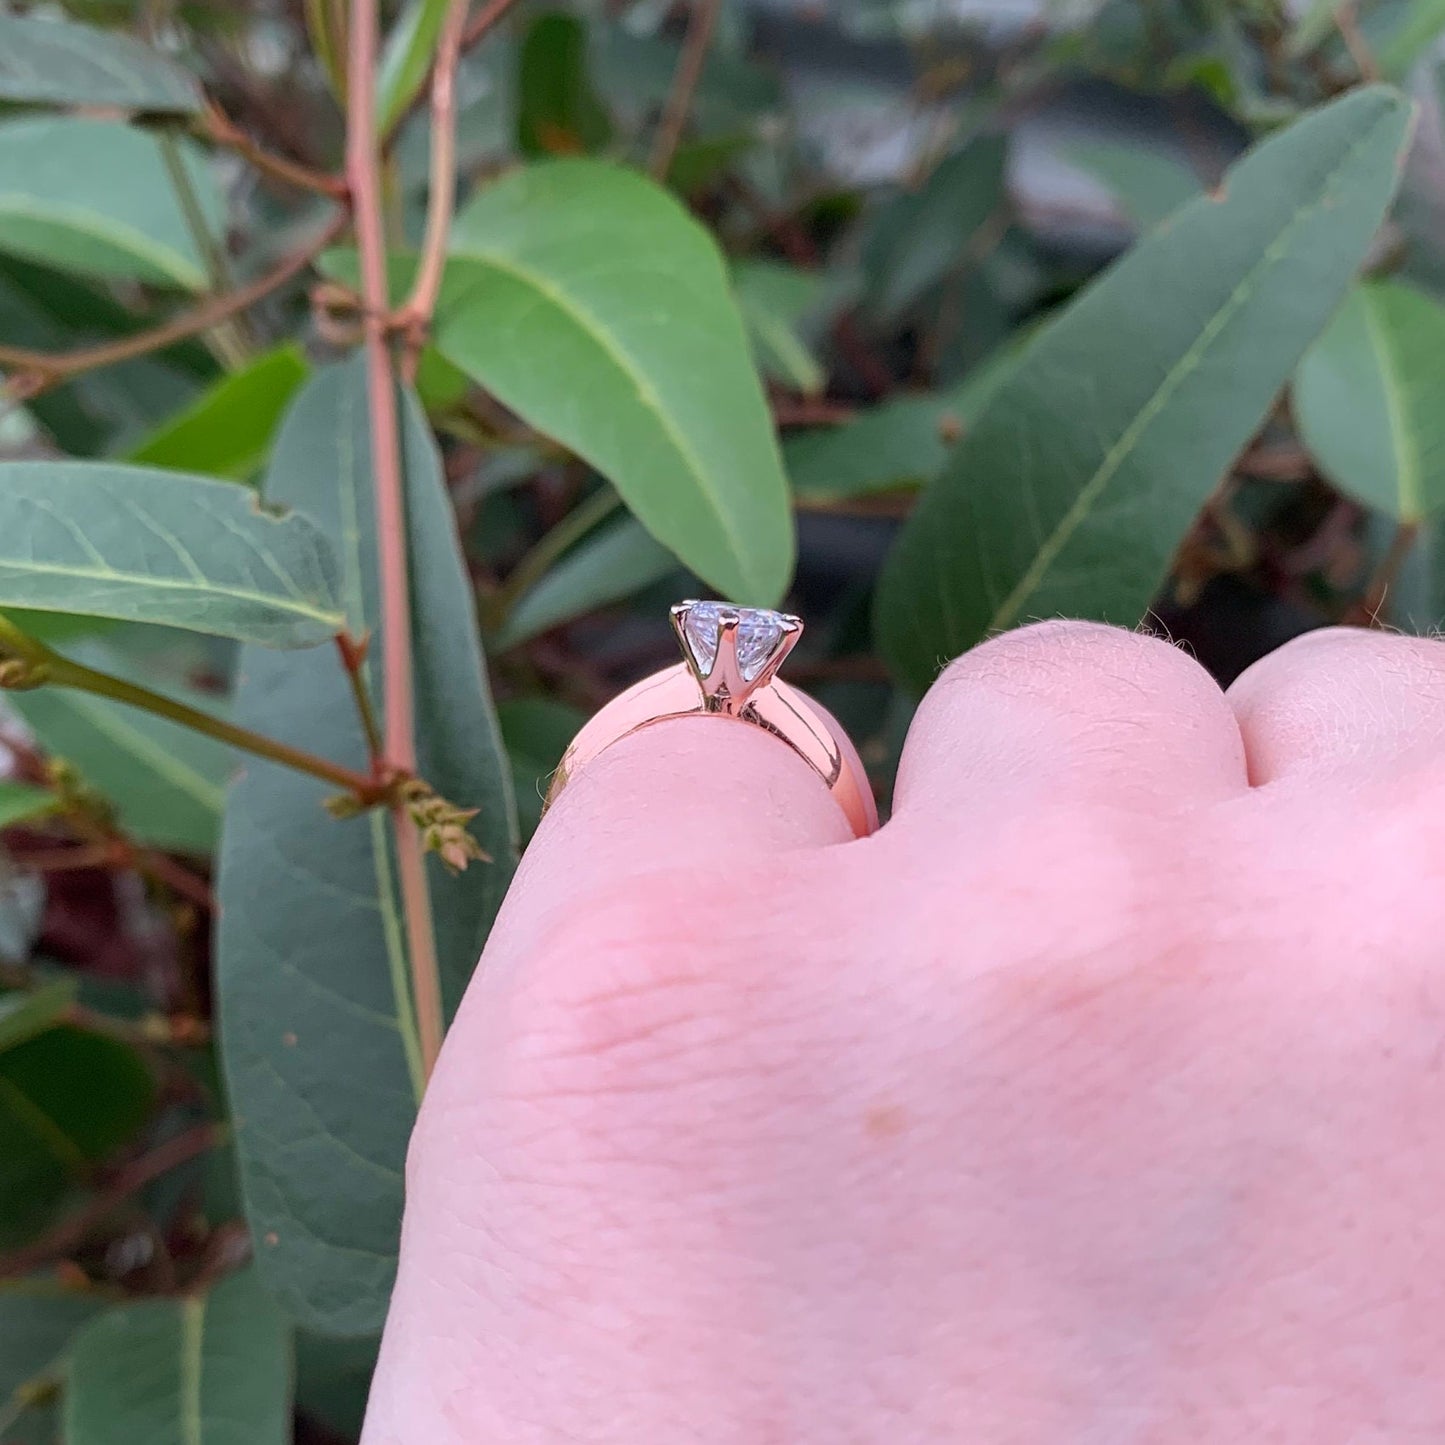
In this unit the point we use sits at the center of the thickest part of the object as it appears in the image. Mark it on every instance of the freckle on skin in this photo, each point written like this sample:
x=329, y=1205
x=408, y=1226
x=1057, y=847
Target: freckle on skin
x=886, y=1121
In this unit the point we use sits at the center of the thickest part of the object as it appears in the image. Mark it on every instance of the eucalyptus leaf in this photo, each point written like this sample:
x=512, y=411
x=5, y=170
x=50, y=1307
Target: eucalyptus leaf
x=587, y=300
x=558, y=112
x=166, y=782
x=227, y=431
x=777, y=300
x=922, y=236
x=200, y=1369
x=94, y=197
x=38, y=1320
x=27, y=1012
x=1367, y=400
x=1081, y=477
x=613, y=563
x=110, y=540
x=318, y=1027
x=902, y=442
x=537, y=731
x=52, y=62
x=68, y=1099
x=1148, y=184
x=406, y=60
x=19, y=802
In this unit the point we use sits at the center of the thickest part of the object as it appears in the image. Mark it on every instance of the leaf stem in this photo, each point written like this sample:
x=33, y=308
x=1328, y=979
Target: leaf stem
x=684, y=85
x=38, y=371
x=415, y=318
x=227, y=340
x=353, y=659
x=39, y=665
x=363, y=170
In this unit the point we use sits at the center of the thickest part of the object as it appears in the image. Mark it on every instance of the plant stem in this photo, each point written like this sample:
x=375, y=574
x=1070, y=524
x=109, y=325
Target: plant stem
x=51, y=668
x=416, y=315
x=219, y=129
x=353, y=659
x=228, y=341
x=684, y=86
x=363, y=166
x=72, y=1231
x=1347, y=23
x=45, y=369
x=549, y=547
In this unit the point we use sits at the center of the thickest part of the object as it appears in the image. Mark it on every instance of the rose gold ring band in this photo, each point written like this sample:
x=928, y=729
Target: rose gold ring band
x=732, y=657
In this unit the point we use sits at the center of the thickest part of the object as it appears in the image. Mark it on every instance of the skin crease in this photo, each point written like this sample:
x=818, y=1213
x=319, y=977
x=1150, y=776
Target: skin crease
x=1098, y=1097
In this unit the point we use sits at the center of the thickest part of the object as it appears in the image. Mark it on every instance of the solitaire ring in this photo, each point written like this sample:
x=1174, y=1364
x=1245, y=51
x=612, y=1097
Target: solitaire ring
x=731, y=658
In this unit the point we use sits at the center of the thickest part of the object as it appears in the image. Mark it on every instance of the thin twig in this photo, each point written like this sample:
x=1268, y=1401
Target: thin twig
x=1347, y=23
x=684, y=86
x=218, y=128
x=364, y=174
x=353, y=659
x=227, y=340
x=415, y=318
x=549, y=547
x=73, y=1230
x=37, y=371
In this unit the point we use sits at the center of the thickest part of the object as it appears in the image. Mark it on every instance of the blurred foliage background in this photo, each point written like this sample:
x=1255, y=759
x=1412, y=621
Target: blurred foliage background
x=929, y=318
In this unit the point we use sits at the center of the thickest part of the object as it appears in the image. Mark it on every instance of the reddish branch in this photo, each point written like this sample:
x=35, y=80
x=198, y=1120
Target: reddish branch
x=38, y=371
x=223, y=131
x=363, y=174
x=684, y=87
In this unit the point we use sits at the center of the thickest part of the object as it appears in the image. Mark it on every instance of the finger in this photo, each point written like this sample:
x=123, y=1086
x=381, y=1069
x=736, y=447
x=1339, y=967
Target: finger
x=1069, y=709
x=680, y=793
x=1342, y=699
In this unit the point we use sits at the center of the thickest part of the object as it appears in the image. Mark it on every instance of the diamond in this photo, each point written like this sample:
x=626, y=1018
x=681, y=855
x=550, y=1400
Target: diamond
x=759, y=634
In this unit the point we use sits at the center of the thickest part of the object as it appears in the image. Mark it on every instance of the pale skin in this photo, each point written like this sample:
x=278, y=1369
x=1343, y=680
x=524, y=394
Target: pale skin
x=1099, y=1097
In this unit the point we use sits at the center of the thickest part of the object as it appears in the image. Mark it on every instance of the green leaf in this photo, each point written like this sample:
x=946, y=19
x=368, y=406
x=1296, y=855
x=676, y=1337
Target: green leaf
x=776, y=301
x=151, y=546
x=94, y=197
x=27, y=1012
x=228, y=431
x=38, y=1319
x=588, y=301
x=68, y=1099
x=1367, y=400
x=1148, y=184
x=608, y=566
x=558, y=112
x=899, y=443
x=211, y=1369
x=318, y=1028
x=166, y=782
x=406, y=60
x=19, y=802
x=537, y=731
x=1418, y=30
x=923, y=235
x=333, y=1379
x=1079, y=480
x=50, y=62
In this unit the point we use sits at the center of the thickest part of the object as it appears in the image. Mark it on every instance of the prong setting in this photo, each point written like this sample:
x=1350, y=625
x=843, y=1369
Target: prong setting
x=733, y=651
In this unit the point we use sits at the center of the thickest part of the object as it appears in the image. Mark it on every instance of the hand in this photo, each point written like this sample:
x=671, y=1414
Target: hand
x=1099, y=1097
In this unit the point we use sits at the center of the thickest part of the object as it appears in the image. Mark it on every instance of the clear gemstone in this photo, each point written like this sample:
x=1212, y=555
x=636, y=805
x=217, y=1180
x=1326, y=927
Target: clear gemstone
x=759, y=633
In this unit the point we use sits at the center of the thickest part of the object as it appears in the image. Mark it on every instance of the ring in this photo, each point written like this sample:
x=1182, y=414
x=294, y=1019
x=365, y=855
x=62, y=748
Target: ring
x=731, y=658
